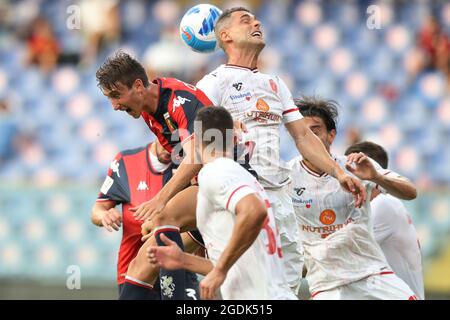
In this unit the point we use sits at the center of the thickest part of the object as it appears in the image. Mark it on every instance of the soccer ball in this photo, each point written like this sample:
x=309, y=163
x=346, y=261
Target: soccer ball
x=197, y=27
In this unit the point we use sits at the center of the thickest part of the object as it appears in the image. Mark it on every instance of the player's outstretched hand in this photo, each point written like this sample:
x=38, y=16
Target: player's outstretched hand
x=354, y=186
x=147, y=210
x=360, y=165
x=112, y=219
x=169, y=257
x=211, y=283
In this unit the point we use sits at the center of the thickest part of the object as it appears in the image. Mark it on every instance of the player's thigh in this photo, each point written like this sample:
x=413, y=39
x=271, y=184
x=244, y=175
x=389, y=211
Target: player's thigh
x=332, y=294
x=385, y=287
x=180, y=210
x=190, y=245
x=287, y=225
x=142, y=269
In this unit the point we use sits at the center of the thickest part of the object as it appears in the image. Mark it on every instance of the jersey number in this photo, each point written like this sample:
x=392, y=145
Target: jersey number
x=272, y=245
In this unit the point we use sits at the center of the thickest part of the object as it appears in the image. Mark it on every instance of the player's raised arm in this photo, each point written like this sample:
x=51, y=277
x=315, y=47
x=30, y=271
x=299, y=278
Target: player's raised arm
x=250, y=215
x=171, y=257
x=311, y=148
x=361, y=166
x=187, y=170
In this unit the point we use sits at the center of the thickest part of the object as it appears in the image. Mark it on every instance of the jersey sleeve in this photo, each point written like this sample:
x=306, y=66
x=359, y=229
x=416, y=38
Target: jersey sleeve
x=290, y=111
x=383, y=219
x=225, y=189
x=115, y=187
x=210, y=85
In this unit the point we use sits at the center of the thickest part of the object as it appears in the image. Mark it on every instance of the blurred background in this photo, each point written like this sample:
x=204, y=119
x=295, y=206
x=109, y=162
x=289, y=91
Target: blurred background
x=388, y=66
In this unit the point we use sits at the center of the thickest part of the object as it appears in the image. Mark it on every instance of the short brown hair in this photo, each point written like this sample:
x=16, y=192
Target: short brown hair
x=372, y=150
x=327, y=110
x=120, y=68
x=223, y=18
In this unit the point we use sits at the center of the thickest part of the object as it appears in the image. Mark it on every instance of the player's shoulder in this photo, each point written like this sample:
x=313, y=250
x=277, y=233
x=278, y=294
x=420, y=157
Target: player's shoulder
x=132, y=152
x=387, y=207
x=175, y=84
x=221, y=167
x=221, y=171
x=390, y=201
x=214, y=75
x=294, y=163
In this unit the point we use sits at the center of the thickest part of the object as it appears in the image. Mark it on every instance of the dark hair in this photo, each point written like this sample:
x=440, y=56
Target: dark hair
x=217, y=118
x=222, y=18
x=120, y=68
x=327, y=110
x=373, y=150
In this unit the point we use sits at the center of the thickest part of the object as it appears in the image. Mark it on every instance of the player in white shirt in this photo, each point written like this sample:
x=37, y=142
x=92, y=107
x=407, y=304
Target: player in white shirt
x=342, y=257
x=235, y=220
x=393, y=227
x=263, y=103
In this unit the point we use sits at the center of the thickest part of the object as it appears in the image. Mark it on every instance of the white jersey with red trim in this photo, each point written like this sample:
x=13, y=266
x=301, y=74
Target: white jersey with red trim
x=262, y=102
x=338, y=241
x=397, y=237
x=258, y=273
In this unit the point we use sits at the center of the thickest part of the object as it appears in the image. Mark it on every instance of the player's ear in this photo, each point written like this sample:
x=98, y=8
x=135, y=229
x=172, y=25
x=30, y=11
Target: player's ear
x=331, y=136
x=224, y=36
x=139, y=86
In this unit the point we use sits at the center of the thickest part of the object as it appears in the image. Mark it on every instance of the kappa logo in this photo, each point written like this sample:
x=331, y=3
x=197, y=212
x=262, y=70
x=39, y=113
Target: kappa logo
x=115, y=167
x=178, y=101
x=237, y=86
x=142, y=186
x=167, y=286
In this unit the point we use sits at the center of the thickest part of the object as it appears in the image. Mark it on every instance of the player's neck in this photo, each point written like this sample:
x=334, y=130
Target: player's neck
x=247, y=58
x=151, y=96
x=312, y=167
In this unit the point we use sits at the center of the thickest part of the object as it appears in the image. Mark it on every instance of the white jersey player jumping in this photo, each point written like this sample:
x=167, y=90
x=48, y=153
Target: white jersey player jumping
x=393, y=227
x=342, y=257
x=262, y=103
x=235, y=220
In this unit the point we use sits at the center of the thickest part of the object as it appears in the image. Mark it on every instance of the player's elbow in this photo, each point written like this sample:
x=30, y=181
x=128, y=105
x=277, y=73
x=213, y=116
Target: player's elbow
x=93, y=218
x=259, y=214
x=253, y=210
x=95, y=214
x=411, y=194
x=409, y=191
